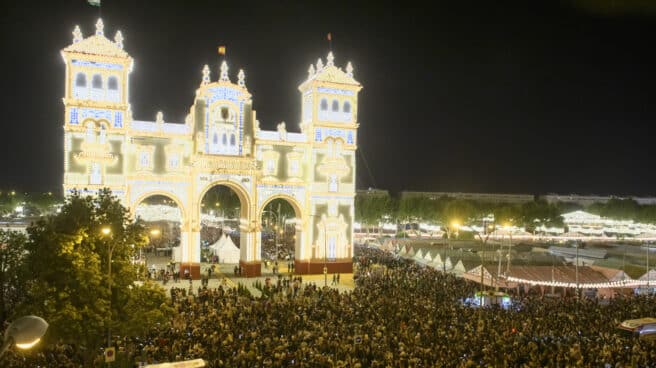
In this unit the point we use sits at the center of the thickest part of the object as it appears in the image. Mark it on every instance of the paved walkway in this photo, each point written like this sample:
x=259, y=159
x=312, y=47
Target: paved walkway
x=224, y=275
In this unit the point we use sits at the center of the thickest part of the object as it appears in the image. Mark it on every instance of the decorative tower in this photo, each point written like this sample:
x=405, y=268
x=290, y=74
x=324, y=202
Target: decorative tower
x=329, y=117
x=96, y=112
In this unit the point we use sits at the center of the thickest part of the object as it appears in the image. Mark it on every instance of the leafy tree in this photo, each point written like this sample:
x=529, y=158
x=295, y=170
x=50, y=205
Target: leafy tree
x=12, y=275
x=68, y=258
x=506, y=213
x=647, y=214
x=370, y=210
x=147, y=306
x=540, y=213
x=458, y=210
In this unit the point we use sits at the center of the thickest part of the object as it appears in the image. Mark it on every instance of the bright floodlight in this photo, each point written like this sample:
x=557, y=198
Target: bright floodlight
x=106, y=230
x=25, y=332
x=455, y=224
x=154, y=232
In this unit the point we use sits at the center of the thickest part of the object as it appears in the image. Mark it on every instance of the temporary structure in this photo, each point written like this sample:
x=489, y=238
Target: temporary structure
x=226, y=250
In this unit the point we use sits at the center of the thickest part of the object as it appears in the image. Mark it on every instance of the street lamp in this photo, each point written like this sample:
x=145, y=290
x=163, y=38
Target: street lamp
x=25, y=332
x=107, y=231
x=455, y=225
x=154, y=233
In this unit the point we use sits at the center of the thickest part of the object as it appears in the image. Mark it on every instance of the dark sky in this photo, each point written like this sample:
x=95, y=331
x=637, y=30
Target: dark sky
x=489, y=96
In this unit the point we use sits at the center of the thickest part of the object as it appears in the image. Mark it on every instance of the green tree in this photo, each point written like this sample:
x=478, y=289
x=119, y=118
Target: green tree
x=506, y=213
x=370, y=210
x=540, y=213
x=68, y=258
x=12, y=275
x=147, y=306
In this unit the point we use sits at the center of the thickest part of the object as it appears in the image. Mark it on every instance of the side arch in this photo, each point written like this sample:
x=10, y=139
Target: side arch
x=301, y=219
x=298, y=209
x=178, y=202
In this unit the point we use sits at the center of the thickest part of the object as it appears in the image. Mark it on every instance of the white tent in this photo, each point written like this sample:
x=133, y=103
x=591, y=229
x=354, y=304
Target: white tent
x=226, y=250
x=428, y=257
x=217, y=245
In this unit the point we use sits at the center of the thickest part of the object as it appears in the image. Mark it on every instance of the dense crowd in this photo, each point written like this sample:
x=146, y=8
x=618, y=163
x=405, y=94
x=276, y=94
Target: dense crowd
x=399, y=315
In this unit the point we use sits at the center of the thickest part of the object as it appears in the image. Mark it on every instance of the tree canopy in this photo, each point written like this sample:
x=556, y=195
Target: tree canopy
x=68, y=257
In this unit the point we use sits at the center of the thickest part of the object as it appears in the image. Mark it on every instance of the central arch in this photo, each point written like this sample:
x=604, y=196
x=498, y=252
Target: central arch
x=247, y=251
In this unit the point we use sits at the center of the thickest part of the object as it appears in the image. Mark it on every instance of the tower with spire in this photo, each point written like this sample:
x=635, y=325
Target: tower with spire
x=329, y=100
x=96, y=108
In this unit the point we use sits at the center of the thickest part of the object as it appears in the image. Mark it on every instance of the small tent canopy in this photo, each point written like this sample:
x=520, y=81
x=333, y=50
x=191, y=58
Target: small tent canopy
x=428, y=257
x=227, y=251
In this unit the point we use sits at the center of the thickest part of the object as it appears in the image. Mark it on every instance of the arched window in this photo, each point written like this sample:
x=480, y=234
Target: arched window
x=102, y=138
x=112, y=83
x=324, y=104
x=215, y=139
x=335, y=106
x=347, y=107
x=96, y=81
x=81, y=80
x=232, y=140
x=224, y=140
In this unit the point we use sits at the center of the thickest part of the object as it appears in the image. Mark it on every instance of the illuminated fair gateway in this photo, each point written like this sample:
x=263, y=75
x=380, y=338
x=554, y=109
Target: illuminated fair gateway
x=220, y=143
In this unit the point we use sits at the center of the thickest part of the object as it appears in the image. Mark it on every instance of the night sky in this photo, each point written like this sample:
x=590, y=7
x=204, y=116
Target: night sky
x=490, y=96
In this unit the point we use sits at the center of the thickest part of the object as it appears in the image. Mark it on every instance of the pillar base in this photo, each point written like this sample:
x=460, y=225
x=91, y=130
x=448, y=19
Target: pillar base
x=251, y=269
x=194, y=270
x=314, y=267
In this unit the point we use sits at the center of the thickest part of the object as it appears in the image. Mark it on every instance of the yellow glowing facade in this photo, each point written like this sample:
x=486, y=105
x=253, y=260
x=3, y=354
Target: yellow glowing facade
x=220, y=143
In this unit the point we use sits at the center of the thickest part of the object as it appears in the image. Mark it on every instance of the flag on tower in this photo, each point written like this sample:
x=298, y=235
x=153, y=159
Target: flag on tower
x=94, y=2
x=222, y=50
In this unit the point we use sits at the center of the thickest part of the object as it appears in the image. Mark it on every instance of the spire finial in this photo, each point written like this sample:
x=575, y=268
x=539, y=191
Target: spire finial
x=311, y=71
x=319, y=65
x=118, y=38
x=349, y=69
x=224, y=72
x=206, y=75
x=77, y=34
x=330, y=59
x=159, y=118
x=100, y=27
x=242, y=81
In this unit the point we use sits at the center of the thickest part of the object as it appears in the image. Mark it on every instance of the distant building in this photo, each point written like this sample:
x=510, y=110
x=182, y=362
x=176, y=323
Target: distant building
x=482, y=197
x=586, y=200
x=372, y=192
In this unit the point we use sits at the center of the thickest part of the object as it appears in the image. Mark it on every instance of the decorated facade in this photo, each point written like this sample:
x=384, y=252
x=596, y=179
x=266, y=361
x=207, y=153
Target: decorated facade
x=220, y=143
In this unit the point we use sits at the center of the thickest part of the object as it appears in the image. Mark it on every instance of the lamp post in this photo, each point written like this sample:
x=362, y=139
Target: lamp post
x=455, y=225
x=487, y=228
x=24, y=332
x=154, y=233
x=107, y=231
x=325, y=254
x=275, y=229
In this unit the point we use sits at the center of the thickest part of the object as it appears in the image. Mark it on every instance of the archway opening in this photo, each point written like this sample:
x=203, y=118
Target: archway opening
x=220, y=217
x=163, y=219
x=279, y=220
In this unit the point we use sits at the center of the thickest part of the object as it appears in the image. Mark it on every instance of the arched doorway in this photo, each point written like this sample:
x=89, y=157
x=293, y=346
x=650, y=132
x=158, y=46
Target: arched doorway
x=163, y=217
x=278, y=221
x=281, y=234
x=222, y=210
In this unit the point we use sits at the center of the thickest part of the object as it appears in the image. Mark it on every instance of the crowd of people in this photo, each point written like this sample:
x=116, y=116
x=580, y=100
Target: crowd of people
x=400, y=314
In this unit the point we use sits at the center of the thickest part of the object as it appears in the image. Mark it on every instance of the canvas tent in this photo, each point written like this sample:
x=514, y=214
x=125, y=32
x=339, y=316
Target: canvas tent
x=226, y=250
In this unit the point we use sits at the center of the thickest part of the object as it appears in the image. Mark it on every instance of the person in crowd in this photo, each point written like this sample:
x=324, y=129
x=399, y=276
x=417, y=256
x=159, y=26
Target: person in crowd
x=400, y=314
